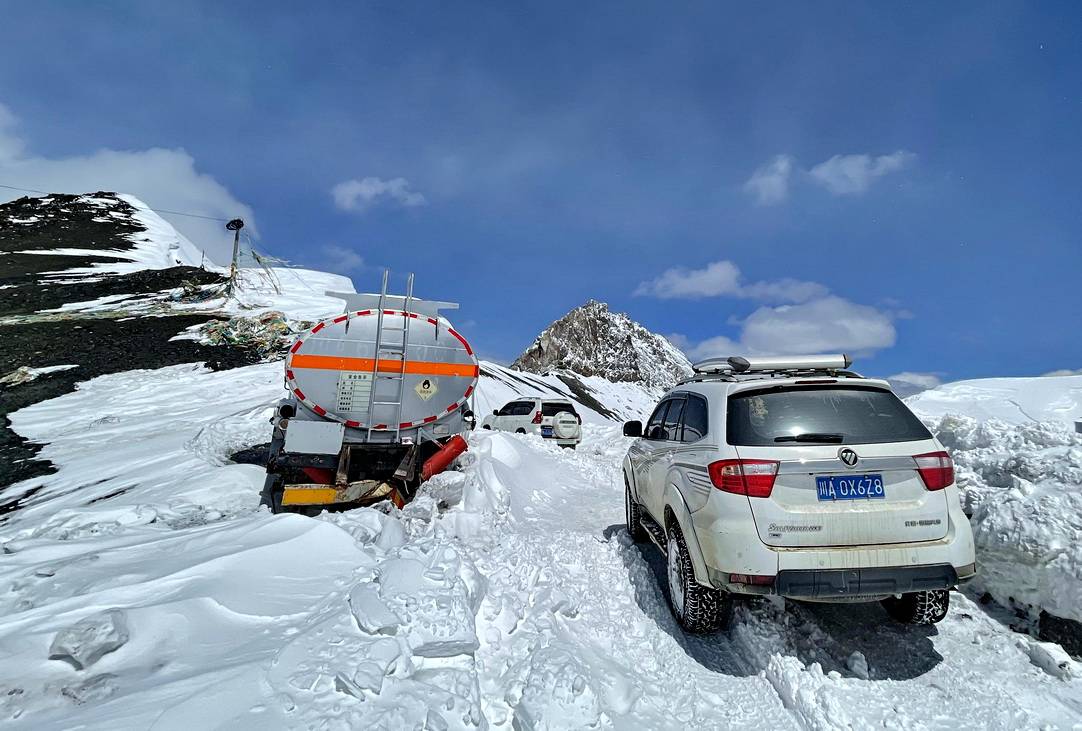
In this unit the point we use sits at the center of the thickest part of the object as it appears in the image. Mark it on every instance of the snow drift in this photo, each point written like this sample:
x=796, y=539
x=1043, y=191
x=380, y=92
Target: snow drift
x=1010, y=400
x=1019, y=466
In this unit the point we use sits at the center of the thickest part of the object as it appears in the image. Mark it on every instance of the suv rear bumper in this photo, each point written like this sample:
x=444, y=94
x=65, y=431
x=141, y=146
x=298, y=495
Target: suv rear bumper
x=856, y=584
x=864, y=582
x=725, y=534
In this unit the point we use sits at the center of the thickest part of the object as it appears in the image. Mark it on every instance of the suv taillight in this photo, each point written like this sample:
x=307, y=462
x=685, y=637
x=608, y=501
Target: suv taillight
x=936, y=469
x=537, y=418
x=751, y=477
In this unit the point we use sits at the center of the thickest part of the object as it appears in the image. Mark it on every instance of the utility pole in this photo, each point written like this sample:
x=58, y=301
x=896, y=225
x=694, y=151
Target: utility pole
x=235, y=226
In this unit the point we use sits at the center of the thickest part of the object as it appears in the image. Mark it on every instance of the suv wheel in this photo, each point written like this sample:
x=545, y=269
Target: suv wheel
x=633, y=516
x=921, y=607
x=696, y=607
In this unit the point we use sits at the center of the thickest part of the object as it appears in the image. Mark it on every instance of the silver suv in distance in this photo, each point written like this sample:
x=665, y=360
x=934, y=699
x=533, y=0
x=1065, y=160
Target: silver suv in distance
x=796, y=477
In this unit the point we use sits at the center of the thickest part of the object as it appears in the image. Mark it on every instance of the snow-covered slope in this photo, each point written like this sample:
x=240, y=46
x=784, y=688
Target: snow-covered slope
x=591, y=340
x=1012, y=400
x=599, y=400
x=154, y=243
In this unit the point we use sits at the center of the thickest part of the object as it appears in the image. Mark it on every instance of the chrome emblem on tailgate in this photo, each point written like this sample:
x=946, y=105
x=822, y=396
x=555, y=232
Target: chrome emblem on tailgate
x=848, y=457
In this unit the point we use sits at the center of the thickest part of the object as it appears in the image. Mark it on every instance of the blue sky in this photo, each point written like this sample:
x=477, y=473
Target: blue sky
x=902, y=182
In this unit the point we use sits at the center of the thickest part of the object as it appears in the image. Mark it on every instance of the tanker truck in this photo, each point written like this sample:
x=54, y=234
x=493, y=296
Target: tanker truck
x=378, y=401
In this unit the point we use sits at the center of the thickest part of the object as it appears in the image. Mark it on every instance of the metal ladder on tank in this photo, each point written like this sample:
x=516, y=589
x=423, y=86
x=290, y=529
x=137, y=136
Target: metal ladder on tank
x=397, y=348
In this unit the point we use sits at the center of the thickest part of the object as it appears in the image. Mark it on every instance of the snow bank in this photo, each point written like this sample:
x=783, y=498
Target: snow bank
x=299, y=293
x=1022, y=485
x=1012, y=400
x=1019, y=466
x=145, y=583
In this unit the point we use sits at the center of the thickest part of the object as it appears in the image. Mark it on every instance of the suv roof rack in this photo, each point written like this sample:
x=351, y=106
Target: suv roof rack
x=740, y=368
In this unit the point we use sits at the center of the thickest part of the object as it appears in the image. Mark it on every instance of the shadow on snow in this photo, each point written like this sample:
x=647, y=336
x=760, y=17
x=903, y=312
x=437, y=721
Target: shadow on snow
x=828, y=634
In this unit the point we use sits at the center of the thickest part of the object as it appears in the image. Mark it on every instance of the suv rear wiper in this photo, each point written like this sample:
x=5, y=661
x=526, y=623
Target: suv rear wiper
x=812, y=437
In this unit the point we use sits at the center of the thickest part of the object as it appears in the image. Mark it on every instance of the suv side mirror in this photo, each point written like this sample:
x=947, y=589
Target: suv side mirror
x=632, y=428
x=495, y=412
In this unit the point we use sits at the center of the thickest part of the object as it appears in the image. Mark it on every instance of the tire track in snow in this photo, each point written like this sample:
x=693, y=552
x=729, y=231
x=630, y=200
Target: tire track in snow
x=574, y=629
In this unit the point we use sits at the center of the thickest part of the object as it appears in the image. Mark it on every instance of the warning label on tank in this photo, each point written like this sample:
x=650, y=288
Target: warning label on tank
x=427, y=388
x=354, y=389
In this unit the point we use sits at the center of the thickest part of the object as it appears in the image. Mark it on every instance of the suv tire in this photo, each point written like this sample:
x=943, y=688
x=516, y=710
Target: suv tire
x=920, y=607
x=698, y=609
x=633, y=515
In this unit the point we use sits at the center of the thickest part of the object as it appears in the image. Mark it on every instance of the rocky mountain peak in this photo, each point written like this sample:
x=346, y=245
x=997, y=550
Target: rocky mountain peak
x=592, y=340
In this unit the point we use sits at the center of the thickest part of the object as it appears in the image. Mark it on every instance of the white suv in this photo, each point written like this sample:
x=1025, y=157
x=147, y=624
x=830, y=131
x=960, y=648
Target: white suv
x=551, y=418
x=795, y=477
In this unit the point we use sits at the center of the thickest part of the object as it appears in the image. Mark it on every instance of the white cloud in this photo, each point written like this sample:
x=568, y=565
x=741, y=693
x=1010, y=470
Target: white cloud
x=717, y=278
x=722, y=278
x=840, y=175
x=340, y=259
x=770, y=183
x=1064, y=372
x=719, y=346
x=361, y=195
x=854, y=174
x=161, y=178
x=828, y=324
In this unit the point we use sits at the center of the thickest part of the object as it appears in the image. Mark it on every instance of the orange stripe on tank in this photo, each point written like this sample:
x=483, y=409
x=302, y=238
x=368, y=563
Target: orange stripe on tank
x=413, y=367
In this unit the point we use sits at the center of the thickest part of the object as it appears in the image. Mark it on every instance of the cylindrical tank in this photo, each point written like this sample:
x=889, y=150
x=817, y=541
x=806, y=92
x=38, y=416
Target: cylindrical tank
x=426, y=371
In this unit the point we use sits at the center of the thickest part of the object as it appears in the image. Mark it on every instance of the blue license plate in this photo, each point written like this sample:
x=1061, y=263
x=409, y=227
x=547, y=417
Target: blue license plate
x=546, y=431
x=850, y=487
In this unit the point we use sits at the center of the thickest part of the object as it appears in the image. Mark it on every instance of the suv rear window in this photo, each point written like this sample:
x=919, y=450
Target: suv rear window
x=550, y=408
x=835, y=415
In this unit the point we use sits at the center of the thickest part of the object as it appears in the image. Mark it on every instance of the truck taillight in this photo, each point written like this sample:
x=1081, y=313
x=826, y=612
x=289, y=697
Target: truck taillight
x=537, y=418
x=936, y=469
x=751, y=477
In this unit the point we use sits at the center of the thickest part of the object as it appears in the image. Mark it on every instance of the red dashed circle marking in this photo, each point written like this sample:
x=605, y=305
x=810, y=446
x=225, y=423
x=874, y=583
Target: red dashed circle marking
x=291, y=382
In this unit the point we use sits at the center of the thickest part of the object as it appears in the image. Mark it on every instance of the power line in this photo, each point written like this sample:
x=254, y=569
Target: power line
x=148, y=208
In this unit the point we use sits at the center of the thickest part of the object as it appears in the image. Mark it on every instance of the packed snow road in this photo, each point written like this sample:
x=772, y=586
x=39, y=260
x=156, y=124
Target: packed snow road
x=576, y=625
x=143, y=587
